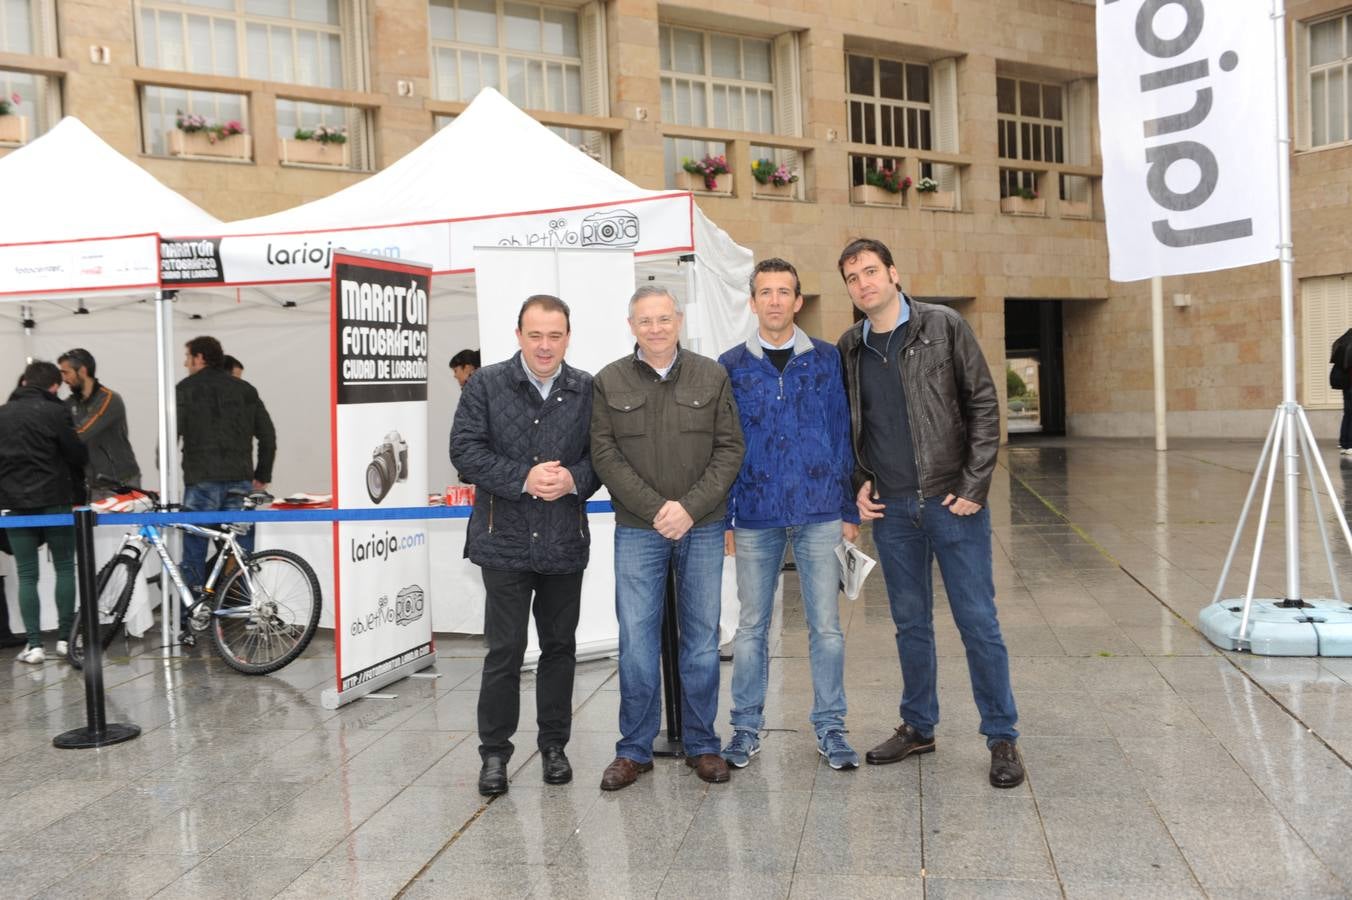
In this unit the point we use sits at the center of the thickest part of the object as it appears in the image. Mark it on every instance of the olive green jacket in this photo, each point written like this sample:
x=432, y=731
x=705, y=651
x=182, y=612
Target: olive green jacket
x=656, y=439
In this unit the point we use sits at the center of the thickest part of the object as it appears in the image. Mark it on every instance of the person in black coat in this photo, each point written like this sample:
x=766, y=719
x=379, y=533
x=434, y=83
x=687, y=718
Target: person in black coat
x=521, y=437
x=41, y=473
x=1340, y=379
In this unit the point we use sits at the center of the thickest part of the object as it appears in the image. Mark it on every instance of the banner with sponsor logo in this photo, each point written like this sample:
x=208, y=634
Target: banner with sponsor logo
x=650, y=225
x=1188, y=119
x=382, y=614
x=99, y=264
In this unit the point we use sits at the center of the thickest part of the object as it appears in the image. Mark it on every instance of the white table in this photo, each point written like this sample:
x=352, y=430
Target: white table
x=456, y=592
x=107, y=539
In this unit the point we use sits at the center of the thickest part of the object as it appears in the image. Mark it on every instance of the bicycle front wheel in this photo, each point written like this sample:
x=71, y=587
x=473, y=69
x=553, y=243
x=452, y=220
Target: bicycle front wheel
x=265, y=620
x=115, y=583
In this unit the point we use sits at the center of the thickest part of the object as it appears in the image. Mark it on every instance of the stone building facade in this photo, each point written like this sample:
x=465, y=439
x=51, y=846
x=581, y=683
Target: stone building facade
x=993, y=100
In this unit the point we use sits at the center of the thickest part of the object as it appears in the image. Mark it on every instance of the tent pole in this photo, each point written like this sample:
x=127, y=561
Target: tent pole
x=168, y=444
x=1290, y=449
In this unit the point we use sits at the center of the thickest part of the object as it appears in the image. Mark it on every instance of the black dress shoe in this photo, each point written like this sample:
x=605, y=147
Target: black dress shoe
x=905, y=742
x=1006, y=767
x=556, y=766
x=493, y=776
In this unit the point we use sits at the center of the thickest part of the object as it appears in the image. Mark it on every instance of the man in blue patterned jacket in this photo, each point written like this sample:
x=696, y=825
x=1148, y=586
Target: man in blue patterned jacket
x=793, y=488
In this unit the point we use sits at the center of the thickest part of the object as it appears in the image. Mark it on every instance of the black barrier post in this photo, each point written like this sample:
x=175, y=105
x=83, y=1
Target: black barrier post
x=98, y=733
x=671, y=672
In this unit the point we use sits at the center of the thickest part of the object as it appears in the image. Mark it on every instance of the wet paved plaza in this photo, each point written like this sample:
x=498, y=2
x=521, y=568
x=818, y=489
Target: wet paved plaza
x=1158, y=766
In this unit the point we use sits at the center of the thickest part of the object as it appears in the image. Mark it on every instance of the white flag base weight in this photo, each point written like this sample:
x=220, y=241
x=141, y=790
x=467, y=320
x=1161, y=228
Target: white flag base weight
x=1293, y=626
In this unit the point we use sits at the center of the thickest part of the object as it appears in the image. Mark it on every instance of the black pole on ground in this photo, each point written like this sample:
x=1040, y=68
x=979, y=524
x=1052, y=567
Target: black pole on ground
x=98, y=732
x=671, y=672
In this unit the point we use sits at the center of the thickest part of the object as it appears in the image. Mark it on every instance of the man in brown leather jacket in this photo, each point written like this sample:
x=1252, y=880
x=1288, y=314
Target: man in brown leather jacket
x=926, y=426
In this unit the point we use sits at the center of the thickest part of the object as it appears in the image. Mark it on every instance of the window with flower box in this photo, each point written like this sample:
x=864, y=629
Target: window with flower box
x=1031, y=126
x=1049, y=123
x=31, y=102
x=1326, y=110
x=903, y=104
x=306, y=42
x=712, y=79
x=541, y=57
x=205, y=116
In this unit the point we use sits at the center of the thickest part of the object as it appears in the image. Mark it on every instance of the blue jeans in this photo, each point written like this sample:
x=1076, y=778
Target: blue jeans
x=641, y=558
x=908, y=537
x=210, y=496
x=760, y=554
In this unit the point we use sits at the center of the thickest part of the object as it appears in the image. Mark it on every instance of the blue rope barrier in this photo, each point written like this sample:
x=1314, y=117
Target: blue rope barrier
x=56, y=520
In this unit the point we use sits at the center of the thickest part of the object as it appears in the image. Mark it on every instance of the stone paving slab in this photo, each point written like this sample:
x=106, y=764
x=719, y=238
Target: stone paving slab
x=1158, y=765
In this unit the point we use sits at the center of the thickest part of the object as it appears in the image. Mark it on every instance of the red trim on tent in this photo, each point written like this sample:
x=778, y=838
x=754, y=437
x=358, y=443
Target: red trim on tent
x=151, y=285
x=85, y=240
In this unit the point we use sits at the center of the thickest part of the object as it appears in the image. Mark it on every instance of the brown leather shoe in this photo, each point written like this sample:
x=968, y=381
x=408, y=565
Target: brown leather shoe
x=905, y=742
x=622, y=773
x=709, y=767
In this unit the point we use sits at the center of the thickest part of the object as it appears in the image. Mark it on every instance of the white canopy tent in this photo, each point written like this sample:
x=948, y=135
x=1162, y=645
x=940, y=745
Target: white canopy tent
x=82, y=219
x=493, y=177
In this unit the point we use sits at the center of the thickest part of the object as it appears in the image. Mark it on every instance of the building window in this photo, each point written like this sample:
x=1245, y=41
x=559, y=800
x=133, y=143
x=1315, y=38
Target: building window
x=18, y=32
x=733, y=82
x=888, y=105
x=1325, y=313
x=288, y=41
x=1330, y=56
x=541, y=57
x=1031, y=124
x=531, y=53
x=161, y=108
x=27, y=27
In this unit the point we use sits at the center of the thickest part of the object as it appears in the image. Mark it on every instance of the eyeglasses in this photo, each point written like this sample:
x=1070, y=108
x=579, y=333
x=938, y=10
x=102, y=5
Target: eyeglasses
x=660, y=321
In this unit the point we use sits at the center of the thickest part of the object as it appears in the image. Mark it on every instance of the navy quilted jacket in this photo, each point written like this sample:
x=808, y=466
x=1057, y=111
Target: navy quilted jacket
x=502, y=428
x=797, y=429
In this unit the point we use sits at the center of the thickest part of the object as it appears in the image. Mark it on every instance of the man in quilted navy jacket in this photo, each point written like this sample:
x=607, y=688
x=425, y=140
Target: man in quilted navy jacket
x=521, y=437
x=794, y=488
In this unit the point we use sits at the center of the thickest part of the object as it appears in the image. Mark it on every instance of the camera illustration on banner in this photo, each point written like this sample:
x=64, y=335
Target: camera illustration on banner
x=389, y=464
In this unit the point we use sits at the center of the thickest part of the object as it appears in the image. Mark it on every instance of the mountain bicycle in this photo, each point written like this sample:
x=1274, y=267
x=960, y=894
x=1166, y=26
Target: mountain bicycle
x=261, y=609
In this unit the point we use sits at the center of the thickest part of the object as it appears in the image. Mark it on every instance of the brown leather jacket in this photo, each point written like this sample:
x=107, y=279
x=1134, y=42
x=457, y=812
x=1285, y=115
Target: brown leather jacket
x=951, y=403
x=655, y=440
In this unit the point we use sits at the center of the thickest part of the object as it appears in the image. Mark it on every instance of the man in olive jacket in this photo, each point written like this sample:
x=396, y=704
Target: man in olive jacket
x=219, y=418
x=667, y=444
x=925, y=420
x=520, y=436
x=100, y=419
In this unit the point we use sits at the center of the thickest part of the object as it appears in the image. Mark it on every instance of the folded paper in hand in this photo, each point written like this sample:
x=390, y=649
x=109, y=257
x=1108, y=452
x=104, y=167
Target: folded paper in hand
x=855, y=565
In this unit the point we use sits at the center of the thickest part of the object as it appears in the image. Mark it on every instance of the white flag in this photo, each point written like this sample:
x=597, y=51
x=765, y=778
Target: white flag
x=1188, y=119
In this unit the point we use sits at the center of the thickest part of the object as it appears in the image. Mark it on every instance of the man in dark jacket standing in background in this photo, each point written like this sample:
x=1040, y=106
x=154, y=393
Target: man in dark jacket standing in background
x=926, y=428
x=41, y=473
x=100, y=419
x=219, y=418
x=520, y=436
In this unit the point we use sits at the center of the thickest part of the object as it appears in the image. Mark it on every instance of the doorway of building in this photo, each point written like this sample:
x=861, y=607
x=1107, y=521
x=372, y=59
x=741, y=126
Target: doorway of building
x=1034, y=370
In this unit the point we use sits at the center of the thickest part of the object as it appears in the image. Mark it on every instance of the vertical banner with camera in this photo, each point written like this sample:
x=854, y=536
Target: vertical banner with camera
x=382, y=618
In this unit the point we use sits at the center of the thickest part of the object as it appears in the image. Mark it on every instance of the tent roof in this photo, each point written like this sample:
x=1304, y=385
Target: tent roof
x=493, y=160
x=71, y=185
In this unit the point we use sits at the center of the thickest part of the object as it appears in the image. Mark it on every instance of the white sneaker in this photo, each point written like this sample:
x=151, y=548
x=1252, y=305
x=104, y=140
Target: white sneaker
x=33, y=656
x=1345, y=451
x=61, y=648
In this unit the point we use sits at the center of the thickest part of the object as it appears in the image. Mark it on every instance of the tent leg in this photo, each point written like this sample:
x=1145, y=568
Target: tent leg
x=168, y=445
